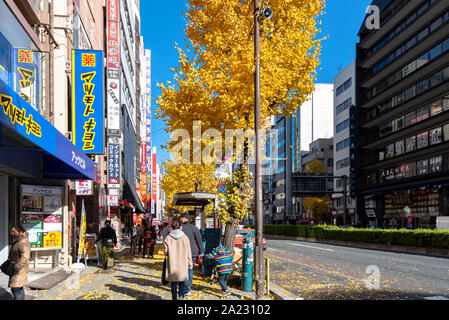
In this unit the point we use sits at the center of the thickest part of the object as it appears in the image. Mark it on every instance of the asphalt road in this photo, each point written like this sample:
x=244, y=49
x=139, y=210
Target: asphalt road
x=315, y=271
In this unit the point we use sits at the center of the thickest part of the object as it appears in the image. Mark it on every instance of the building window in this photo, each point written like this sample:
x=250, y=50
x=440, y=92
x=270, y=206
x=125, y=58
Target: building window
x=343, y=145
x=345, y=105
x=343, y=163
x=343, y=125
x=436, y=164
x=410, y=144
x=400, y=148
x=389, y=150
x=422, y=140
x=345, y=86
x=446, y=132
x=436, y=136
x=416, y=39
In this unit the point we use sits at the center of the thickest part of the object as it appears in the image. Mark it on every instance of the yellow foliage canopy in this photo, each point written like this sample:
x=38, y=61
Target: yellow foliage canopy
x=317, y=206
x=215, y=79
x=187, y=178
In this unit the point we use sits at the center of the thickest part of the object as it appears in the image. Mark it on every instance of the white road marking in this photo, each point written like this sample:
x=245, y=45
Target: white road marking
x=277, y=250
x=436, y=298
x=304, y=245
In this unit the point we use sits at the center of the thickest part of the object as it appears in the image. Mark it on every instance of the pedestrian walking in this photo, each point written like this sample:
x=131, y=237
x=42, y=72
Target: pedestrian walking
x=19, y=256
x=133, y=239
x=196, y=246
x=149, y=240
x=108, y=240
x=167, y=229
x=139, y=238
x=223, y=261
x=179, y=260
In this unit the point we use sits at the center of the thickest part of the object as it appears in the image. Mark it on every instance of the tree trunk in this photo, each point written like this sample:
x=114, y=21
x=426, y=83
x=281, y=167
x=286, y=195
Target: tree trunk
x=229, y=236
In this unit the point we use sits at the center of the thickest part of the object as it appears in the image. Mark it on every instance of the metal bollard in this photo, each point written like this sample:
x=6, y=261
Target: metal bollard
x=267, y=272
x=248, y=262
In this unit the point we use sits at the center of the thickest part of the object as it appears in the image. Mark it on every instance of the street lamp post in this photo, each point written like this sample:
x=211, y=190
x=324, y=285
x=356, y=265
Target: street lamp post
x=258, y=254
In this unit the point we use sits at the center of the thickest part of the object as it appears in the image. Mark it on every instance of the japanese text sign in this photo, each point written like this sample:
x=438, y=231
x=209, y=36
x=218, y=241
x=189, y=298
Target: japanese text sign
x=87, y=101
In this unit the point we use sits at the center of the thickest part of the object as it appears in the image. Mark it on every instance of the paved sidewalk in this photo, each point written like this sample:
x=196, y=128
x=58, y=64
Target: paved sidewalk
x=132, y=278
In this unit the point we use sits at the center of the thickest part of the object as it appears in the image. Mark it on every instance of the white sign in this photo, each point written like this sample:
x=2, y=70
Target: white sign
x=443, y=223
x=223, y=170
x=113, y=99
x=83, y=187
x=41, y=190
x=113, y=201
x=114, y=192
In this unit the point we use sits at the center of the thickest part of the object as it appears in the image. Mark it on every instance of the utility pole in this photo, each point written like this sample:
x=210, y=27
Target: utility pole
x=344, y=200
x=258, y=252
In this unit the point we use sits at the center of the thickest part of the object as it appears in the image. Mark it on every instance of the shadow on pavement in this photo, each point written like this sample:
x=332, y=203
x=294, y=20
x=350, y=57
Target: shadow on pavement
x=138, y=295
x=142, y=282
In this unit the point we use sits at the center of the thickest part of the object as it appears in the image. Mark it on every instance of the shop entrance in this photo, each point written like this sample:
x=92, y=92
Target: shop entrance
x=3, y=218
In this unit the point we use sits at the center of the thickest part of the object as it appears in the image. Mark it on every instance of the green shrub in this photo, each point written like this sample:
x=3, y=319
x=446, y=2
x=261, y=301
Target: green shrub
x=402, y=237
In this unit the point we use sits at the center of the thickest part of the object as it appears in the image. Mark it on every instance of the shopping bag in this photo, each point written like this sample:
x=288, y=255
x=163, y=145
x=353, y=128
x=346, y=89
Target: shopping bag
x=164, y=281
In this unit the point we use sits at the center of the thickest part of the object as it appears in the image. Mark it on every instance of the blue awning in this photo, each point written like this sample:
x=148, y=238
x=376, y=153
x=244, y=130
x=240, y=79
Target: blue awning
x=60, y=158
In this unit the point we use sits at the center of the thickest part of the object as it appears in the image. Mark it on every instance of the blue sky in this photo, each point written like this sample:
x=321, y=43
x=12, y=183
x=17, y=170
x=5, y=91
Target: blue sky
x=163, y=26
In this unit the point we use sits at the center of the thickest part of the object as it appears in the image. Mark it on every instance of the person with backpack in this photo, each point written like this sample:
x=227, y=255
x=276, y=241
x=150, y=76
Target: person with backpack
x=108, y=240
x=223, y=261
x=196, y=246
x=149, y=240
x=178, y=260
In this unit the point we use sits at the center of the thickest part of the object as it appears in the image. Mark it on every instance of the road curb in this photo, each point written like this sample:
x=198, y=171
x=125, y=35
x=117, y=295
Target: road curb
x=442, y=253
x=281, y=294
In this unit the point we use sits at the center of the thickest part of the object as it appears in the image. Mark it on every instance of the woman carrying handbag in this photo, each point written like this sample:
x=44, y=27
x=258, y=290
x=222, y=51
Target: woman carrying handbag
x=17, y=265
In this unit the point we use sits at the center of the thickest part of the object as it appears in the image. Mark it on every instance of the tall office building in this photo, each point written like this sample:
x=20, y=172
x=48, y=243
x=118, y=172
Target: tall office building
x=344, y=98
x=403, y=103
x=313, y=120
x=291, y=137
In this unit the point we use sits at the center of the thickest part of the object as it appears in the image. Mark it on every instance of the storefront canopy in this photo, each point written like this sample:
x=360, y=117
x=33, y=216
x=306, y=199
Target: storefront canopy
x=130, y=195
x=193, y=199
x=31, y=146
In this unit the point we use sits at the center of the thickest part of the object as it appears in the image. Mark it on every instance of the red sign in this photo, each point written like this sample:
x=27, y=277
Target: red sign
x=113, y=10
x=113, y=39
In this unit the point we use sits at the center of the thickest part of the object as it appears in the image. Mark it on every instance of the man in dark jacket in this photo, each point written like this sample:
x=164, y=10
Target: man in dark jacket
x=108, y=239
x=196, y=246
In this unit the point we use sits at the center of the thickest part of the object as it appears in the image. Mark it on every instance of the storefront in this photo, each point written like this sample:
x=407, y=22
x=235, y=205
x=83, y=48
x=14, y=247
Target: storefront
x=413, y=208
x=36, y=161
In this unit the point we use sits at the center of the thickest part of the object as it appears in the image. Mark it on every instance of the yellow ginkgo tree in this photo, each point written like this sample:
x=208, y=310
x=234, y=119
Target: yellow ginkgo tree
x=317, y=206
x=233, y=205
x=214, y=81
x=179, y=178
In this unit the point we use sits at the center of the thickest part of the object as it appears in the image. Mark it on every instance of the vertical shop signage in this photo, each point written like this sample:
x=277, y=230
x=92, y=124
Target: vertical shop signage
x=148, y=126
x=153, y=182
x=143, y=172
x=87, y=101
x=82, y=238
x=113, y=165
x=25, y=67
x=353, y=150
x=113, y=67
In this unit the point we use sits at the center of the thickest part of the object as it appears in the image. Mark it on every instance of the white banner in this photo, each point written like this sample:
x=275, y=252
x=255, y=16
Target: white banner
x=113, y=201
x=82, y=238
x=113, y=94
x=83, y=187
